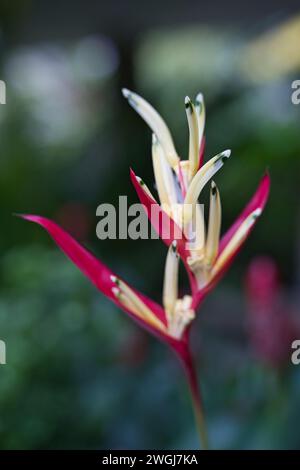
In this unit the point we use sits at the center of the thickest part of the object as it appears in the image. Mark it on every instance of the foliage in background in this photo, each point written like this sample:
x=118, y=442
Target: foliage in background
x=71, y=374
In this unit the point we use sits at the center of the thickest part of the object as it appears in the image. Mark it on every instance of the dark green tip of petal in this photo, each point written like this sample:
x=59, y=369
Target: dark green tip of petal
x=142, y=182
x=115, y=280
x=174, y=248
x=213, y=189
x=188, y=104
x=223, y=156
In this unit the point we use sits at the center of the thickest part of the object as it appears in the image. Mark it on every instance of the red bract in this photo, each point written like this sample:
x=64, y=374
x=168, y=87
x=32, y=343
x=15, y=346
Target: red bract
x=143, y=310
x=101, y=276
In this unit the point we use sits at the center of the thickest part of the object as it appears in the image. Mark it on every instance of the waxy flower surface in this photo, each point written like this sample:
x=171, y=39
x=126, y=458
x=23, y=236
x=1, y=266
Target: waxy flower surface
x=205, y=255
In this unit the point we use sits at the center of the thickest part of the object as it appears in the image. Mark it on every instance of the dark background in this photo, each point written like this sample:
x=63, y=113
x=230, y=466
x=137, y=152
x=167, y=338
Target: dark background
x=79, y=374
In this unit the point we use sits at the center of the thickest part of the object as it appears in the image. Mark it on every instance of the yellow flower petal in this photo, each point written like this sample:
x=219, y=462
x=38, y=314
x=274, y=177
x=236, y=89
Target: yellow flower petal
x=192, y=119
x=214, y=225
x=130, y=300
x=199, y=181
x=163, y=175
x=200, y=111
x=170, y=288
x=155, y=122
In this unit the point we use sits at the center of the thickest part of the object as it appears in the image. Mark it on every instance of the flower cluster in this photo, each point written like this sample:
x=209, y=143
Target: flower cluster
x=204, y=254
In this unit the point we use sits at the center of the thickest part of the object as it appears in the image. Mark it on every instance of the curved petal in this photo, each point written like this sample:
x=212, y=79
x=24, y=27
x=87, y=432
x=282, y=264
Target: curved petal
x=97, y=272
x=198, y=182
x=155, y=122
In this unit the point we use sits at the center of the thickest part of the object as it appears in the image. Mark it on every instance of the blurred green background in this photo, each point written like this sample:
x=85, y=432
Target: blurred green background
x=79, y=374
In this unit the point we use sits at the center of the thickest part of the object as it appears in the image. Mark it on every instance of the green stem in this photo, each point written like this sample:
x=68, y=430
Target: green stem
x=196, y=398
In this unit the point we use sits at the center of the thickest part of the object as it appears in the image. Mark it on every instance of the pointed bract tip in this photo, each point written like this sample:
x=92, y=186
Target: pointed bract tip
x=174, y=245
x=266, y=176
x=31, y=217
x=134, y=178
x=131, y=172
x=266, y=179
x=114, y=279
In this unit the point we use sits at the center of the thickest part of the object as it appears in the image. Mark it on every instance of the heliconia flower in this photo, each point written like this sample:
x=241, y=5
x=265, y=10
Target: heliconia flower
x=169, y=322
x=179, y=220
x=179, y=184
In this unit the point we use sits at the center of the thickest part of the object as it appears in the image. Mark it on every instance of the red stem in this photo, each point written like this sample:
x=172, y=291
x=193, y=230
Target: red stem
x=189, y=369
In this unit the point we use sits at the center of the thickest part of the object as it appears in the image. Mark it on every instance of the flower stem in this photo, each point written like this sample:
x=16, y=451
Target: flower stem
x=200, y=420
x=191, y=376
